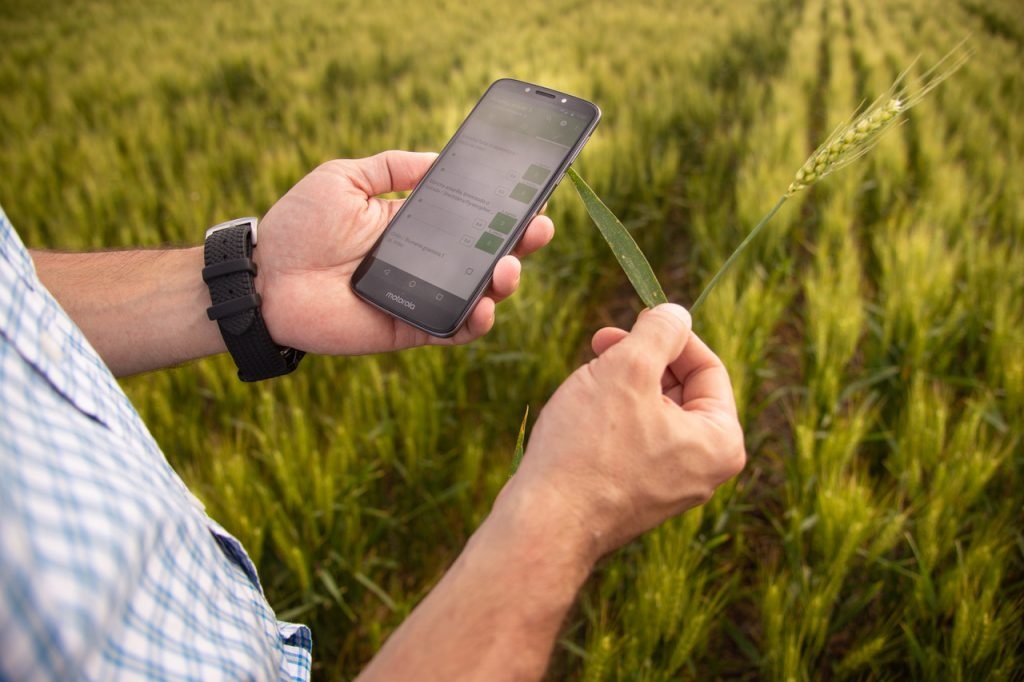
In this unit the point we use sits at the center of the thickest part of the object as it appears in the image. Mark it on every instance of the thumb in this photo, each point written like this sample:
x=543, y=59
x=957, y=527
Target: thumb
x=660, y=334
x=391, y=171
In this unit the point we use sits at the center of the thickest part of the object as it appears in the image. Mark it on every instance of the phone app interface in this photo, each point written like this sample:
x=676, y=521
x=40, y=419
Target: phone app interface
x=483, y=184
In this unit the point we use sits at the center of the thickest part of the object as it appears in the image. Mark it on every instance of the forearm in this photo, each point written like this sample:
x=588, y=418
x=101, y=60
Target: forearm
x=141, y=309
x=496, y=613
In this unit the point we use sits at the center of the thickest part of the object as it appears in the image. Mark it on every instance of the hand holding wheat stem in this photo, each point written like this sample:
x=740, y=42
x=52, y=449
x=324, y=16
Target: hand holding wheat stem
x=852, y=140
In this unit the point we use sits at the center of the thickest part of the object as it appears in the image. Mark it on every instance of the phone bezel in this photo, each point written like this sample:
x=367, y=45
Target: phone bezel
x=374, y=297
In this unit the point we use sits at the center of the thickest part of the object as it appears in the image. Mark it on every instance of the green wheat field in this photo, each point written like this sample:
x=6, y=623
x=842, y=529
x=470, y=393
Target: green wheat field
x=874, y=333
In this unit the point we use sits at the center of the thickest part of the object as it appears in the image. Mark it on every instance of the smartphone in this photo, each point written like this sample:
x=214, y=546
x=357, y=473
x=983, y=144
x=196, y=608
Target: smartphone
x=435, y=258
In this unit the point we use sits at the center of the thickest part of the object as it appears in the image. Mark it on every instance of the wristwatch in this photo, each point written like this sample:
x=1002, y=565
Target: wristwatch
x=230, y=274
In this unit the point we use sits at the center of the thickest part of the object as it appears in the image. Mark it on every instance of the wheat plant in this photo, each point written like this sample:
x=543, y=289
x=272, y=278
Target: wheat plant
x=850, y=141
x=847, y=143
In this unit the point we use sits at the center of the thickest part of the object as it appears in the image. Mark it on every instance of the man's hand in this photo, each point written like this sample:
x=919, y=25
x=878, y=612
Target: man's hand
x=312, y=239
x=146, y=309
x=643, y=432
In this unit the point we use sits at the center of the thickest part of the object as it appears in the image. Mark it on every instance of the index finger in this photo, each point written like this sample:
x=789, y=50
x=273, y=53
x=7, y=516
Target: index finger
x=704, y=380
x=537, y=234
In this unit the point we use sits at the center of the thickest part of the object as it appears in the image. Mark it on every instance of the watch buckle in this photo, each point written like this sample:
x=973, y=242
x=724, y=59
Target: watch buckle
x=248, y=221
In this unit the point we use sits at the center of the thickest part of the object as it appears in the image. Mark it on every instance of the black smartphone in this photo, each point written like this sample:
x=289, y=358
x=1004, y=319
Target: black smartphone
x=435, y=259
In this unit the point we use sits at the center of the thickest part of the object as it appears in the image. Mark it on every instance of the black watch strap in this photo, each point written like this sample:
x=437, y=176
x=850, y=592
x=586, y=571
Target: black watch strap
x=230, y=274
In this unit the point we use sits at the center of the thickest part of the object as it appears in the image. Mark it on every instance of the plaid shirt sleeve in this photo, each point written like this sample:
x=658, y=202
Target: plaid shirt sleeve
x=109, y=567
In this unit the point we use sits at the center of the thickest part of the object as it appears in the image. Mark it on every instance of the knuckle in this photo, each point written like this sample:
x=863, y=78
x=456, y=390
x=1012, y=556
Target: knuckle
x=632, y=361
x=736, y=460
x=729, y=445
x=668, y=322
x=733, y=454
x=331, y=165
x=669, y=326
x=703, y=495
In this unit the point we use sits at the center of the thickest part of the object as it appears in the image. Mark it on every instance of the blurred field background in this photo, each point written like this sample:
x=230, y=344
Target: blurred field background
x=874, y=335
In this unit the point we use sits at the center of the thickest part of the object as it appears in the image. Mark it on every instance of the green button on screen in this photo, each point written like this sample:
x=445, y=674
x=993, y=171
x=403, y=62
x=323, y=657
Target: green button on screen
x=489, y=243
x=502, y=222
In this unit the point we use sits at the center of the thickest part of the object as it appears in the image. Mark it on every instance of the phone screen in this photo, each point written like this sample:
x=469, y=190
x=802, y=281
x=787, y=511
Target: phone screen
x=435, y=259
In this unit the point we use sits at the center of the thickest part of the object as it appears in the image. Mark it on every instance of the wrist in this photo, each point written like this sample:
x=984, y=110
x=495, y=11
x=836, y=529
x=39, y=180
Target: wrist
x=524, y=566
x=536, y=520
x=140, y=309
x=231, y=274
x=204, y=331
x=499, y=608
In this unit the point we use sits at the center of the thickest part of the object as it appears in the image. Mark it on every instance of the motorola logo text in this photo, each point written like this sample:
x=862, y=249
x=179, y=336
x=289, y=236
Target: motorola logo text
x=399, y=300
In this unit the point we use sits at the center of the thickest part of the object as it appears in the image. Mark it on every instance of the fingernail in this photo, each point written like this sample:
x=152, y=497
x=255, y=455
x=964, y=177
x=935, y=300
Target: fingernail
x=677, y=310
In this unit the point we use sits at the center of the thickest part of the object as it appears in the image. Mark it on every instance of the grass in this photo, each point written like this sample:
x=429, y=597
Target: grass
x=873, y=331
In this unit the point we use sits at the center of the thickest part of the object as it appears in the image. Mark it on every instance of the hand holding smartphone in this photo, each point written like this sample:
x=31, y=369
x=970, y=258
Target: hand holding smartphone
x=435, y=259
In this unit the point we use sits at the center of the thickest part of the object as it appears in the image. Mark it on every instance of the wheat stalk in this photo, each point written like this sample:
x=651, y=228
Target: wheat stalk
x=852, y=140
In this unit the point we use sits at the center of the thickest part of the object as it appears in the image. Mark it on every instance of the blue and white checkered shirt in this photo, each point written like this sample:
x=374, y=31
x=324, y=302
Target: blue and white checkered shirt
x=109, y=567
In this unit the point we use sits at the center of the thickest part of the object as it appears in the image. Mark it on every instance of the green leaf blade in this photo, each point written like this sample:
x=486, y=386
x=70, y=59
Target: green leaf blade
x=626, y=251
x=517, y=457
